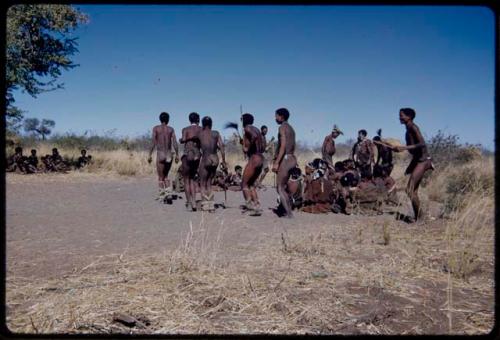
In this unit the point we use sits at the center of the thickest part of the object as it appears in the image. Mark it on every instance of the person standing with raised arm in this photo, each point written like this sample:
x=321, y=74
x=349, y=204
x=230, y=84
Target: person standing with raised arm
x=253, y=147
x=421, y=161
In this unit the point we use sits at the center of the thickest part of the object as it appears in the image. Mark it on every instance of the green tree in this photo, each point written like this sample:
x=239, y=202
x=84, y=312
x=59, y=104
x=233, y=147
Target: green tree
x=39, y=46
x=43, y=128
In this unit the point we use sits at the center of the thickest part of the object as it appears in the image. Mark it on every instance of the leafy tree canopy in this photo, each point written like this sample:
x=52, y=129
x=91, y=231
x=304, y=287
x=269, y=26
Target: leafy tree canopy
x=39, y=47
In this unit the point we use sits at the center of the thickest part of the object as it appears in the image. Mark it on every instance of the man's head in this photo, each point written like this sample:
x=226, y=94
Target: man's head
x=406, y=115
x=194, y=118
x=336, y=131
x=84, y=152
x=33, y=152
x=206, y=122
x=164, y=118
x=282, y=115
x=263, y=130
x=247, y=119
x=55, y=151
x=238, y=169
x=18, y=150
x=362, y=134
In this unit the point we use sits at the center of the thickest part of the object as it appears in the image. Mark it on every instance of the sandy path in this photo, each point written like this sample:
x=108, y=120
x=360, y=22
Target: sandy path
x=58, y=223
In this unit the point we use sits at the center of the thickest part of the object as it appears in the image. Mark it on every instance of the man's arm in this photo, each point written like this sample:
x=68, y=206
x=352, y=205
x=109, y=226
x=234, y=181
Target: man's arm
x=323, y=147
x=353, y=153
x=246, y=140
x=175, y=145
x=183, y=138
x=372, y=152
x=153, y=146
x=281, y=151
x=270, y=144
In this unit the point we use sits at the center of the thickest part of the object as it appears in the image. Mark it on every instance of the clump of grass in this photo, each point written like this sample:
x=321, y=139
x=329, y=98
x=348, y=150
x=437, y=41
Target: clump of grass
x=469, y=233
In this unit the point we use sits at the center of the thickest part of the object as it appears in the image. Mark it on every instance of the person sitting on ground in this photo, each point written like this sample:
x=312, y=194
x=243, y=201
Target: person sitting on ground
x=233, y=181
x=363, y=154
x=16, y=162
x=83, y=160
x=319, y=192
x=296, y=187
x=220, y=181
x=57, y=162
x=33, y=159
x=31, y=162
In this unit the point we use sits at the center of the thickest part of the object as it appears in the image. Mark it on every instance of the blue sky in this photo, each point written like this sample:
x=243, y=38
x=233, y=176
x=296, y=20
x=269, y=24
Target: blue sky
x=350, y=65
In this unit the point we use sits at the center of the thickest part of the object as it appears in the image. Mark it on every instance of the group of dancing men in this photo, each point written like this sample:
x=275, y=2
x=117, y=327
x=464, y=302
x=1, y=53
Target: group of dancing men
x=49, y=163
x=323, y=182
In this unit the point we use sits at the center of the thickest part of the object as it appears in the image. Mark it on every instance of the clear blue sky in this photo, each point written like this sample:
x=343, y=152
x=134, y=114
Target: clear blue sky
x=353, y=66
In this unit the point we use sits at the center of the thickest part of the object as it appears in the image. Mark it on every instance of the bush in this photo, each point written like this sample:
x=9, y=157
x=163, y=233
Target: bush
x=467, y=180
x=445, y=149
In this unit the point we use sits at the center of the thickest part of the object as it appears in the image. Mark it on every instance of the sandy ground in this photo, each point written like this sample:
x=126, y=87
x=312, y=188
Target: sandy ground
x=60, y=223
x=59, y=226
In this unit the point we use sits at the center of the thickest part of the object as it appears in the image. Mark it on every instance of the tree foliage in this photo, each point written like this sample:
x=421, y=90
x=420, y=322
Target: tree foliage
x=43, y=128
x=39, y=47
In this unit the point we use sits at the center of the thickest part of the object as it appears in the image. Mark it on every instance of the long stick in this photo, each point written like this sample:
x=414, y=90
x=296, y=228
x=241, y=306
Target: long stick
x=384, y=144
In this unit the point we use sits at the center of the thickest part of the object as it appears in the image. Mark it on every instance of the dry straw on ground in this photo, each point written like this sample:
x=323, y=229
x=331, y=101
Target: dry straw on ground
x=321, y=283
x=385, y=277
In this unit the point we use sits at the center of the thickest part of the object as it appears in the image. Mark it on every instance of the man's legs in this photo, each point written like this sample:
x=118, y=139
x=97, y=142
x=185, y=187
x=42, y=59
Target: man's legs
x=248, y=173
x=413, y=184
x=265, y=170
x=160, y=169
x=283, y=176
x=166, y=170
x=254, y=181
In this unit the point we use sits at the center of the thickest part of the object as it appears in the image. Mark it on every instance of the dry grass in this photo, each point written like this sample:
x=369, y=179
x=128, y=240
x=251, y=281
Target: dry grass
x=374, y=276
x=317, y=282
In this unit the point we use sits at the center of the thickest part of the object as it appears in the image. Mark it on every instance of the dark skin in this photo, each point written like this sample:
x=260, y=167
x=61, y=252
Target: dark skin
x=419, y=165
x=190, y=169
x=328, y=147
x=253, y=147
x=267, y=146
x=282, y=164
x=163, y=140
x=211, y=142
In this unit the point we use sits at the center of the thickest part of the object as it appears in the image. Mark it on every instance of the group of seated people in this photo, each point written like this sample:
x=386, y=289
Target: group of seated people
x=223, y=180
x=323, y=188
x=49, y=163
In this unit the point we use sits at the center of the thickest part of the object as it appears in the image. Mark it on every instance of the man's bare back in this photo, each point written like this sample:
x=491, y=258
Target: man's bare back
x=191, y=159
x=211, y=142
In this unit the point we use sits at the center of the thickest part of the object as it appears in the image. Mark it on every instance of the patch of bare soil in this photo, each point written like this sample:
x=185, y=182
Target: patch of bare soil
x=93, y=255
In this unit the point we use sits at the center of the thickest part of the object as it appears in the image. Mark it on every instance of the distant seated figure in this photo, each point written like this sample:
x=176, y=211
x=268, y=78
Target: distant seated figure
x=33, y=159
x=295, y=187
x=234, y=180
x=319, y=191
x=83, y=160
x=16, y=162
x=54, y=162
